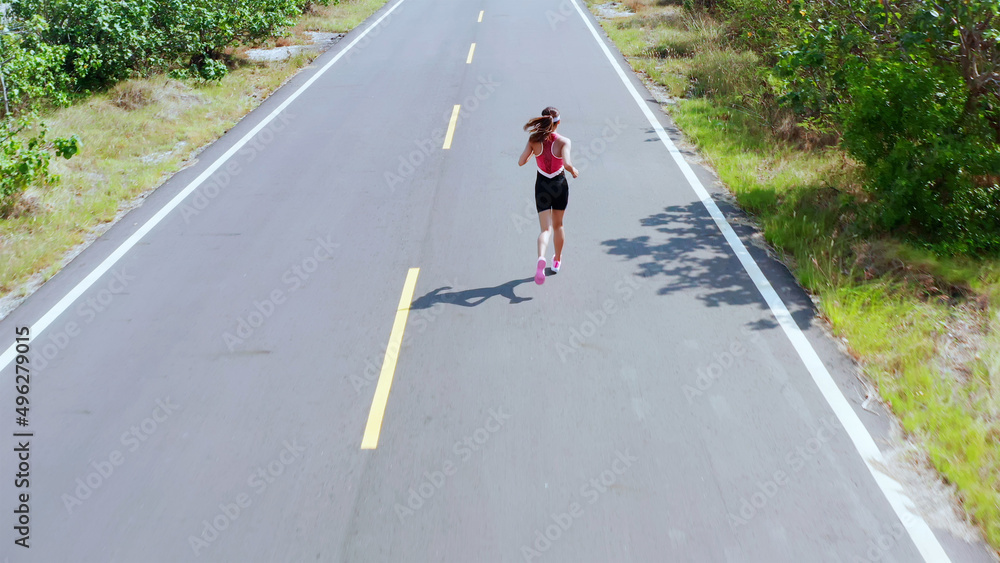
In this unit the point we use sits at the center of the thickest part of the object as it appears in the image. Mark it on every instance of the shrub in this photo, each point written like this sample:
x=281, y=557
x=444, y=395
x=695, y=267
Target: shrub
x=106, y=40
x=32, y=69
x=912, y=87
x=25, y=161
x=933, y=168
x=759, y=25
x=214, y=25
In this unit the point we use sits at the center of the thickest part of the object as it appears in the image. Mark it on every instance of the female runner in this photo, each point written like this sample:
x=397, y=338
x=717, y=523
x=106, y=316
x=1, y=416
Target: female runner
x=551, y=152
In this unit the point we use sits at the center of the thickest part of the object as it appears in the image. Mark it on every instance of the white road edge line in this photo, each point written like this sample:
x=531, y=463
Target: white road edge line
x=102, y=268
x=918, y=529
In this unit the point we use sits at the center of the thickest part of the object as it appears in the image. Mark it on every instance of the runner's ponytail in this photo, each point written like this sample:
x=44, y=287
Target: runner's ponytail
x=542, y=127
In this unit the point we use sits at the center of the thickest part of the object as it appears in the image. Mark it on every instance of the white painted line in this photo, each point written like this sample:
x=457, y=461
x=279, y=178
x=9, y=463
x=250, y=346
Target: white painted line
x=918, y=529
x=109, y=262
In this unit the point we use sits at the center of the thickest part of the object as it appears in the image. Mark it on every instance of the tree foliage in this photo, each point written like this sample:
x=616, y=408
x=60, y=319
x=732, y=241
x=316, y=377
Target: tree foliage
x=32, y=69
x=912, y=88
x=110, y=40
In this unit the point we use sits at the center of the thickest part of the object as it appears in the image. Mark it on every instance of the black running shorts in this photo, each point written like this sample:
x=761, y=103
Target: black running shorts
x=551, y=193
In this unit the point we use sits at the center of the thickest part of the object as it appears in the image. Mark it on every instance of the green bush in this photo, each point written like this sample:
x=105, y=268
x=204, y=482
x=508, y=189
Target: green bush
x=928, y=163
x=107, y=41
x=214, y=25
x=911, y=87
x=25, y=161
x=32, y=74
x=759, y=25
x=32, y=68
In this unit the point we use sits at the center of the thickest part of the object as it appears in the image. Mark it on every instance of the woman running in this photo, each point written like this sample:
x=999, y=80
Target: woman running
x=551, y=152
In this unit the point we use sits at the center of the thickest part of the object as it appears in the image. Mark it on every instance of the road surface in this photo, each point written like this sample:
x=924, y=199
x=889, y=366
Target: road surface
x=203, y=375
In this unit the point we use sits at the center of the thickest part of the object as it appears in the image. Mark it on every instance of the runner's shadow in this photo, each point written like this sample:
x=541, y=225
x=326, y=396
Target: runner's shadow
x=470, y=297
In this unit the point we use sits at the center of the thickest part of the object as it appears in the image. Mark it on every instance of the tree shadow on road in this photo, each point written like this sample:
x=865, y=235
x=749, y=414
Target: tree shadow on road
x=690, y=252
x=471, y=297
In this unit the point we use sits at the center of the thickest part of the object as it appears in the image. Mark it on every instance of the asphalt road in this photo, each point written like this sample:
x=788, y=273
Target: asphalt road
x=203, y=394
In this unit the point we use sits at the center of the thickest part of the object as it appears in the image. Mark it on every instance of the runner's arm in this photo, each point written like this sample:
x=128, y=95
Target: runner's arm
x=567, y=163
x=526, y=154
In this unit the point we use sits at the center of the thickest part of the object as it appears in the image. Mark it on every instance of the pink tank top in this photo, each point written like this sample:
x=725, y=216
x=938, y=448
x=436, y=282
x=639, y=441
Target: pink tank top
x=548, y=165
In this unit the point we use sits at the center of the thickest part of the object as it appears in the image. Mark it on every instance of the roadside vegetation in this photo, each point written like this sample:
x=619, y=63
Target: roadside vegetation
x=105, y=99
x=864, y=138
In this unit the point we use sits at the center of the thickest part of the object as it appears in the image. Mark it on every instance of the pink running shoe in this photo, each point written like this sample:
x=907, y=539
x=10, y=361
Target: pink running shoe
x=540, y=272
x=556, y=264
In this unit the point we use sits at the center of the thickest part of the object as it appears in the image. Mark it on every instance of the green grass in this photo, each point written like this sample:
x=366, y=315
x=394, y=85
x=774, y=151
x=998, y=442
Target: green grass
x=671, y=73
x=724, y=73
x=133, y=138
x=669, y=42
x=956, y=418
x=631, y=41
x=901, y=308
x=338, y=18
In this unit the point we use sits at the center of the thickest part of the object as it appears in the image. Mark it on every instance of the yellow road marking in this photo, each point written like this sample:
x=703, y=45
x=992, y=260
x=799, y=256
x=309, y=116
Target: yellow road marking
x=451, y=127
x=481, y=15
x=374, y=426
x=471, y=50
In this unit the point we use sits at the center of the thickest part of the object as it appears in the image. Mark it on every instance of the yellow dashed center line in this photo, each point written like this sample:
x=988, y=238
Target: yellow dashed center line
x=481, y=15
x=374, y=426
x=451, y=125
x=471, y=51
